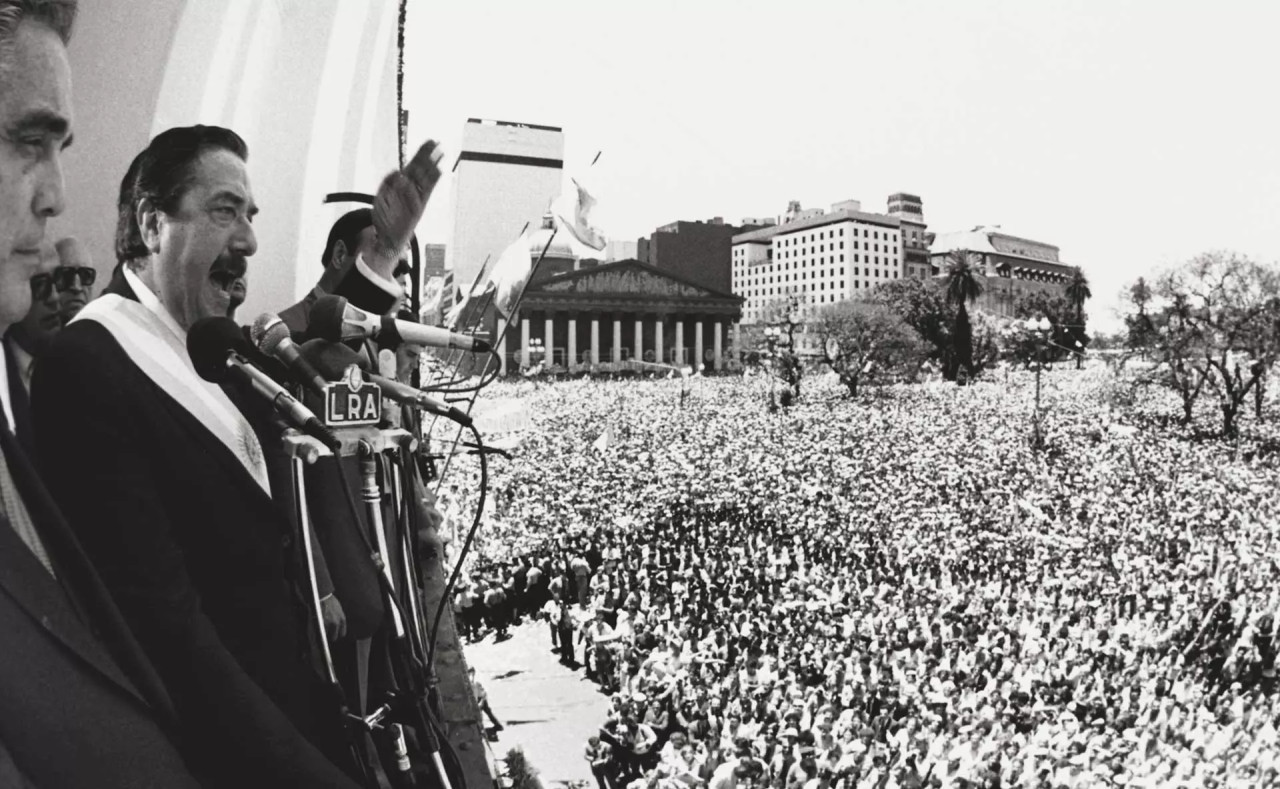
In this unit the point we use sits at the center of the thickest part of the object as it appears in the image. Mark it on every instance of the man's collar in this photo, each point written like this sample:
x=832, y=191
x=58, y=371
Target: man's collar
x=152, y=303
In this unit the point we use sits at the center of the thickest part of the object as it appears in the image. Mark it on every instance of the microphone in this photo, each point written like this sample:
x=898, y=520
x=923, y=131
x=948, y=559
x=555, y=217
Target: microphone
x=333, y=318
x=271, y=336
x=216, y=348
x=333, y=358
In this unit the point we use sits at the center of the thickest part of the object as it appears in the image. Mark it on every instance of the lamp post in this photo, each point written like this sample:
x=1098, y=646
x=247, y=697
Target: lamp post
x=1039, y=331
x=537, y=352
x=772, y=336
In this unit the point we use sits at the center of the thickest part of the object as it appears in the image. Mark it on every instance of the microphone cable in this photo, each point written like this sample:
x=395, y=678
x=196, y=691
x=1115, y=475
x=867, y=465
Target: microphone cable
x=466, y=545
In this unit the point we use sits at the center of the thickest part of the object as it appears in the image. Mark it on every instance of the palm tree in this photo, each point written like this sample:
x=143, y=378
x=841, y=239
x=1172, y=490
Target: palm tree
x=1078, y=293
x=964, y=284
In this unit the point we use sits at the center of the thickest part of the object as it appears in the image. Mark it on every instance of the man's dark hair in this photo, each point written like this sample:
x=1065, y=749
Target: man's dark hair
x=347, y=230
x=58, y=15
x=162, y=173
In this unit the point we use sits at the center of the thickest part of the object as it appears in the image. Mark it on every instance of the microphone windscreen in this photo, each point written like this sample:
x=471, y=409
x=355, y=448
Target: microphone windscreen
x=331, y=359
x=268, y=335
x=260, y=327
x=325, y=319
x=208, y=343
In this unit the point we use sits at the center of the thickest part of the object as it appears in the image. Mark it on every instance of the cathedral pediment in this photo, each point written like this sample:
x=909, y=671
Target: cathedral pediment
x=625, y=278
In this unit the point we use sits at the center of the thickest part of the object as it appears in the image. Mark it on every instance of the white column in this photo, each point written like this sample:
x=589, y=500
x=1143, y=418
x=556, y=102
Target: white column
x=524, y=342
x=657, y=340
x=716, y=345
x=617, y=340
x=548, y=335
x=595, y=340
x=697, y=345
x=679, y=340
x=737, y=342
x=572, y=358
x=639, y=340
x=502, y=356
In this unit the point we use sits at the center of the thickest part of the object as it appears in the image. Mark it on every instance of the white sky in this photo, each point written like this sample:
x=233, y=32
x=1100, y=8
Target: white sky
x=1132, y=135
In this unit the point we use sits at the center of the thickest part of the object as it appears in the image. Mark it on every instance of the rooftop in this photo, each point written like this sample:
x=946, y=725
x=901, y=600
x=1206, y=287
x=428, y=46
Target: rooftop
x=992, y=240
x=831, y=218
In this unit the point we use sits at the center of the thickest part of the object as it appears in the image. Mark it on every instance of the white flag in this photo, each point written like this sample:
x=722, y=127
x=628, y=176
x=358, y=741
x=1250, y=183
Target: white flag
x=604, y=441
x=510, y=274
x=579, y=207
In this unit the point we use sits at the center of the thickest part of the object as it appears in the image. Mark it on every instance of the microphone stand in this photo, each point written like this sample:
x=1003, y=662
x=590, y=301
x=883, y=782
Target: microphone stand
x=303, y=450
x=409, y=703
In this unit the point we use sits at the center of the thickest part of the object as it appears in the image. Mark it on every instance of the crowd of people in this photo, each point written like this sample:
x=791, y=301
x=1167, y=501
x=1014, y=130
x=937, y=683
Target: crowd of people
x=899, y=592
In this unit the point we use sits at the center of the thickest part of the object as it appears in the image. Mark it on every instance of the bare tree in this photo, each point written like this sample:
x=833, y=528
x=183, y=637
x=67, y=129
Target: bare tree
x=1218, y=329
x=864, y=342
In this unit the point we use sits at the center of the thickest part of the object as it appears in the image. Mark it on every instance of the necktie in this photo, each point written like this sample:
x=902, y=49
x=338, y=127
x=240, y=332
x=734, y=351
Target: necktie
x=16, y=511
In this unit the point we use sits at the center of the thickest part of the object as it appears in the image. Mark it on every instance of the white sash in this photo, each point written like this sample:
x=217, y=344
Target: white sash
x=153, y=347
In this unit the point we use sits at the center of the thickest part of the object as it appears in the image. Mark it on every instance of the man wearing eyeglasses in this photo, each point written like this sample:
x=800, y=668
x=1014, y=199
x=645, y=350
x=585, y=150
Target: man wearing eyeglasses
x=73, y=278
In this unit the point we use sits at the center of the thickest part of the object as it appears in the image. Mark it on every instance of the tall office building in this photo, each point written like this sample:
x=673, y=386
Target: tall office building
x=507, y=175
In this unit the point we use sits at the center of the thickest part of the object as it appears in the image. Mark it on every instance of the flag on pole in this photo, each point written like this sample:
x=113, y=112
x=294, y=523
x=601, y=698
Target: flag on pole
x=579, y=207
x=510, y=274
x=604, y=441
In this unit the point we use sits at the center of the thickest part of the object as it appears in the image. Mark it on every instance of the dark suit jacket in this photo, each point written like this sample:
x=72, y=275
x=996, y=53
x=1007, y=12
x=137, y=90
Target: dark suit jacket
x=196, y=556
x=80, y=705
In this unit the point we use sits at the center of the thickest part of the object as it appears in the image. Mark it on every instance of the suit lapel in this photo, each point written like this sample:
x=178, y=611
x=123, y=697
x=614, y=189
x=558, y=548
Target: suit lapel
x=30, y=584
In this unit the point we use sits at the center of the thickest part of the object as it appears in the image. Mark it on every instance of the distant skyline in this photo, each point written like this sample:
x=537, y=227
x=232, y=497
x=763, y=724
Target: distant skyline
x=1132, y=135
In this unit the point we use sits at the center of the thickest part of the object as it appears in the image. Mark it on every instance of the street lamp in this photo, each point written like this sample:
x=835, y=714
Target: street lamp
x=537, y=352
x=1039, y=331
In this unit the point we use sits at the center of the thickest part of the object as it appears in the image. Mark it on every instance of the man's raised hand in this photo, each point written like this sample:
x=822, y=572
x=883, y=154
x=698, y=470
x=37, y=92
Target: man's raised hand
x=402, y=197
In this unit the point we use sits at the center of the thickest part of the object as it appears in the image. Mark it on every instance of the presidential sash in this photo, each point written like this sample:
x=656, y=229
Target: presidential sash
x=154, y=348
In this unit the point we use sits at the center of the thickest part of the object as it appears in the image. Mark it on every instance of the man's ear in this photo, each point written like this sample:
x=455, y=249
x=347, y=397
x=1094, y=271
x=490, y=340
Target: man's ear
x=338, y=258
x=147, y=216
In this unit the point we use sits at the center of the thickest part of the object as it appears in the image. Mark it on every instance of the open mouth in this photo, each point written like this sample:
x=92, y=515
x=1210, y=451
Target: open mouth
x=227, y=274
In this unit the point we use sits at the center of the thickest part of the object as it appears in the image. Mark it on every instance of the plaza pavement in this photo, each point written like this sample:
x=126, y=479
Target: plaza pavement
x=549, y=710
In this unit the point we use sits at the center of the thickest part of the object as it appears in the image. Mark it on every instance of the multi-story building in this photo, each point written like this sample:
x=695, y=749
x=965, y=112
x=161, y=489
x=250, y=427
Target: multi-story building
x=506, y=176
x=1011, y=265
x=821, y=259
x=697, y=251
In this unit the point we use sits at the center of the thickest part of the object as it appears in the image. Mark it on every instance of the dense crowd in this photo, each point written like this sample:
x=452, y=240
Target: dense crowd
x=897, y=592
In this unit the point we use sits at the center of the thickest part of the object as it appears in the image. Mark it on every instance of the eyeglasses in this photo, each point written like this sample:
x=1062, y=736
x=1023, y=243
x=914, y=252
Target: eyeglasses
x=64, y=276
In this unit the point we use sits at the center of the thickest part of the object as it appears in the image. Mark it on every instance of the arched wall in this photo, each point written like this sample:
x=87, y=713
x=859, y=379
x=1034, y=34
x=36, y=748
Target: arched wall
x=309, y=84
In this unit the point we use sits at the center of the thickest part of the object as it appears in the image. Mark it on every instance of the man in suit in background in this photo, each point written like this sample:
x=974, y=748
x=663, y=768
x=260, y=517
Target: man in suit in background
x=164, y=479
x=73, y=278
x=80, y=704
x=365, y=270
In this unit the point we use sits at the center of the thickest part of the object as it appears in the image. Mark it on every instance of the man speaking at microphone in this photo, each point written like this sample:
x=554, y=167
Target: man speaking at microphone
x=164, y=478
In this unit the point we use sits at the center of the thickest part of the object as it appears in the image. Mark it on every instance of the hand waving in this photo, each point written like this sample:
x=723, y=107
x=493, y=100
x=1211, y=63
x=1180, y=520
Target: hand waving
x=402, y=197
